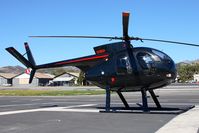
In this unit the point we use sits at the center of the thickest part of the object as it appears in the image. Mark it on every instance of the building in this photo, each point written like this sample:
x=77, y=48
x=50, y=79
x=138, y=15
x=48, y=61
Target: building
x=40, y=79
x=196, y=77
x=7, y=78
x=75, y=75
x=65, y=79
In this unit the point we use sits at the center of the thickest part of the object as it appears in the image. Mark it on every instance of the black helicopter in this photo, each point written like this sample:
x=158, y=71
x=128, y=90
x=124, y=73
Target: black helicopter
x=117, y=66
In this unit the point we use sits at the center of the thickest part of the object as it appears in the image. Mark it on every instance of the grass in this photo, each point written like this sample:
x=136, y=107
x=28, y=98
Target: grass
x=49, y=92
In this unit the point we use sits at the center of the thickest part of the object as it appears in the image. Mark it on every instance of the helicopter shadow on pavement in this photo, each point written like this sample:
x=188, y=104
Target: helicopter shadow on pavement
x=169, y=109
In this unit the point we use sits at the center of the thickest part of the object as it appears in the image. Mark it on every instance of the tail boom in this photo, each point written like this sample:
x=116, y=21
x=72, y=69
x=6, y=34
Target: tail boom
x=83, y=62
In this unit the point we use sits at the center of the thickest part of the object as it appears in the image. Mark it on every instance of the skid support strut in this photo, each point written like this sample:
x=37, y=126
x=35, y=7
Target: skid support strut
x=144, y=106
x=155, y=98
x=108, y=98
x=123, y=99
x=144, y=100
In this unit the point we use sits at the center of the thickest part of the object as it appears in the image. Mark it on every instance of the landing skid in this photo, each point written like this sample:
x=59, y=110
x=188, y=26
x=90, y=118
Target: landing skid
x=143, y=108
x=151, y=110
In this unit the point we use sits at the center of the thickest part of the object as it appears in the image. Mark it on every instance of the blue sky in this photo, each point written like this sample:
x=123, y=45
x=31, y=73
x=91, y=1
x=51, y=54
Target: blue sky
x=176, y=20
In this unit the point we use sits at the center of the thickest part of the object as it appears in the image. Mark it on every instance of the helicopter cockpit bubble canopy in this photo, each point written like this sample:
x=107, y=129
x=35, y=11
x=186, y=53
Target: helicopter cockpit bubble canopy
x=154, y=54
x=151, y=57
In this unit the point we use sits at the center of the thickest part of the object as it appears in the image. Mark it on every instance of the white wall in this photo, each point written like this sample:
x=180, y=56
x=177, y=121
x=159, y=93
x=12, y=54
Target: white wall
x=196, y=77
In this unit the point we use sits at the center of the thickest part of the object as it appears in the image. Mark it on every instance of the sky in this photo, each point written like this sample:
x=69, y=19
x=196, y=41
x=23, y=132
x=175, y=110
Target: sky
x=176, y=20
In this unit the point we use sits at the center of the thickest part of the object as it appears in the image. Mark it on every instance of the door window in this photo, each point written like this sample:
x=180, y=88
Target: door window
x=145, y=60
x=123, y=64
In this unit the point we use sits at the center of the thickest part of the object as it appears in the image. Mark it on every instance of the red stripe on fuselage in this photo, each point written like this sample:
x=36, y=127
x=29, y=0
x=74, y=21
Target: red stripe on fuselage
x=83, y=59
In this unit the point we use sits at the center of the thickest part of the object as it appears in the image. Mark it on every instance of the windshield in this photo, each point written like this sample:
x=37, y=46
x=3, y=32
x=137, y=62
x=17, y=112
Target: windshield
x=161, y=55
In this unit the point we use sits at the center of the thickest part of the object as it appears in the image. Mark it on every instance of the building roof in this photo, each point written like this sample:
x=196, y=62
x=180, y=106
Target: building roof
x=8, y=75
x=64, y=77
x=37, y=75
x=68, y=74
x=43, y=76
x=75, y=74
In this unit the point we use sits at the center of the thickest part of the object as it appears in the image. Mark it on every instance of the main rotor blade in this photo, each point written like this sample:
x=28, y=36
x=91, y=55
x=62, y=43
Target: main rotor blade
x=125, y=23
x=99, y=37
x=167, y=41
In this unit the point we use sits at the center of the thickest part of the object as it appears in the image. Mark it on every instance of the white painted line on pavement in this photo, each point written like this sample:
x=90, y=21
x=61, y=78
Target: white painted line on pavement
x=82, y=105
x=71, y=108
x=187, y=122
x=32, y=104
x=75, y=110
x=66, y=109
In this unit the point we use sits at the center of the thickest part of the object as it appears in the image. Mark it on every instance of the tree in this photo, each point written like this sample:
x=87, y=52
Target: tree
x=81, y=78
x=186, y=72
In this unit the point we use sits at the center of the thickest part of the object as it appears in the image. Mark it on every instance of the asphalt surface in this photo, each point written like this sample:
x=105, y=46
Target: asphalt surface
x=80, y=114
